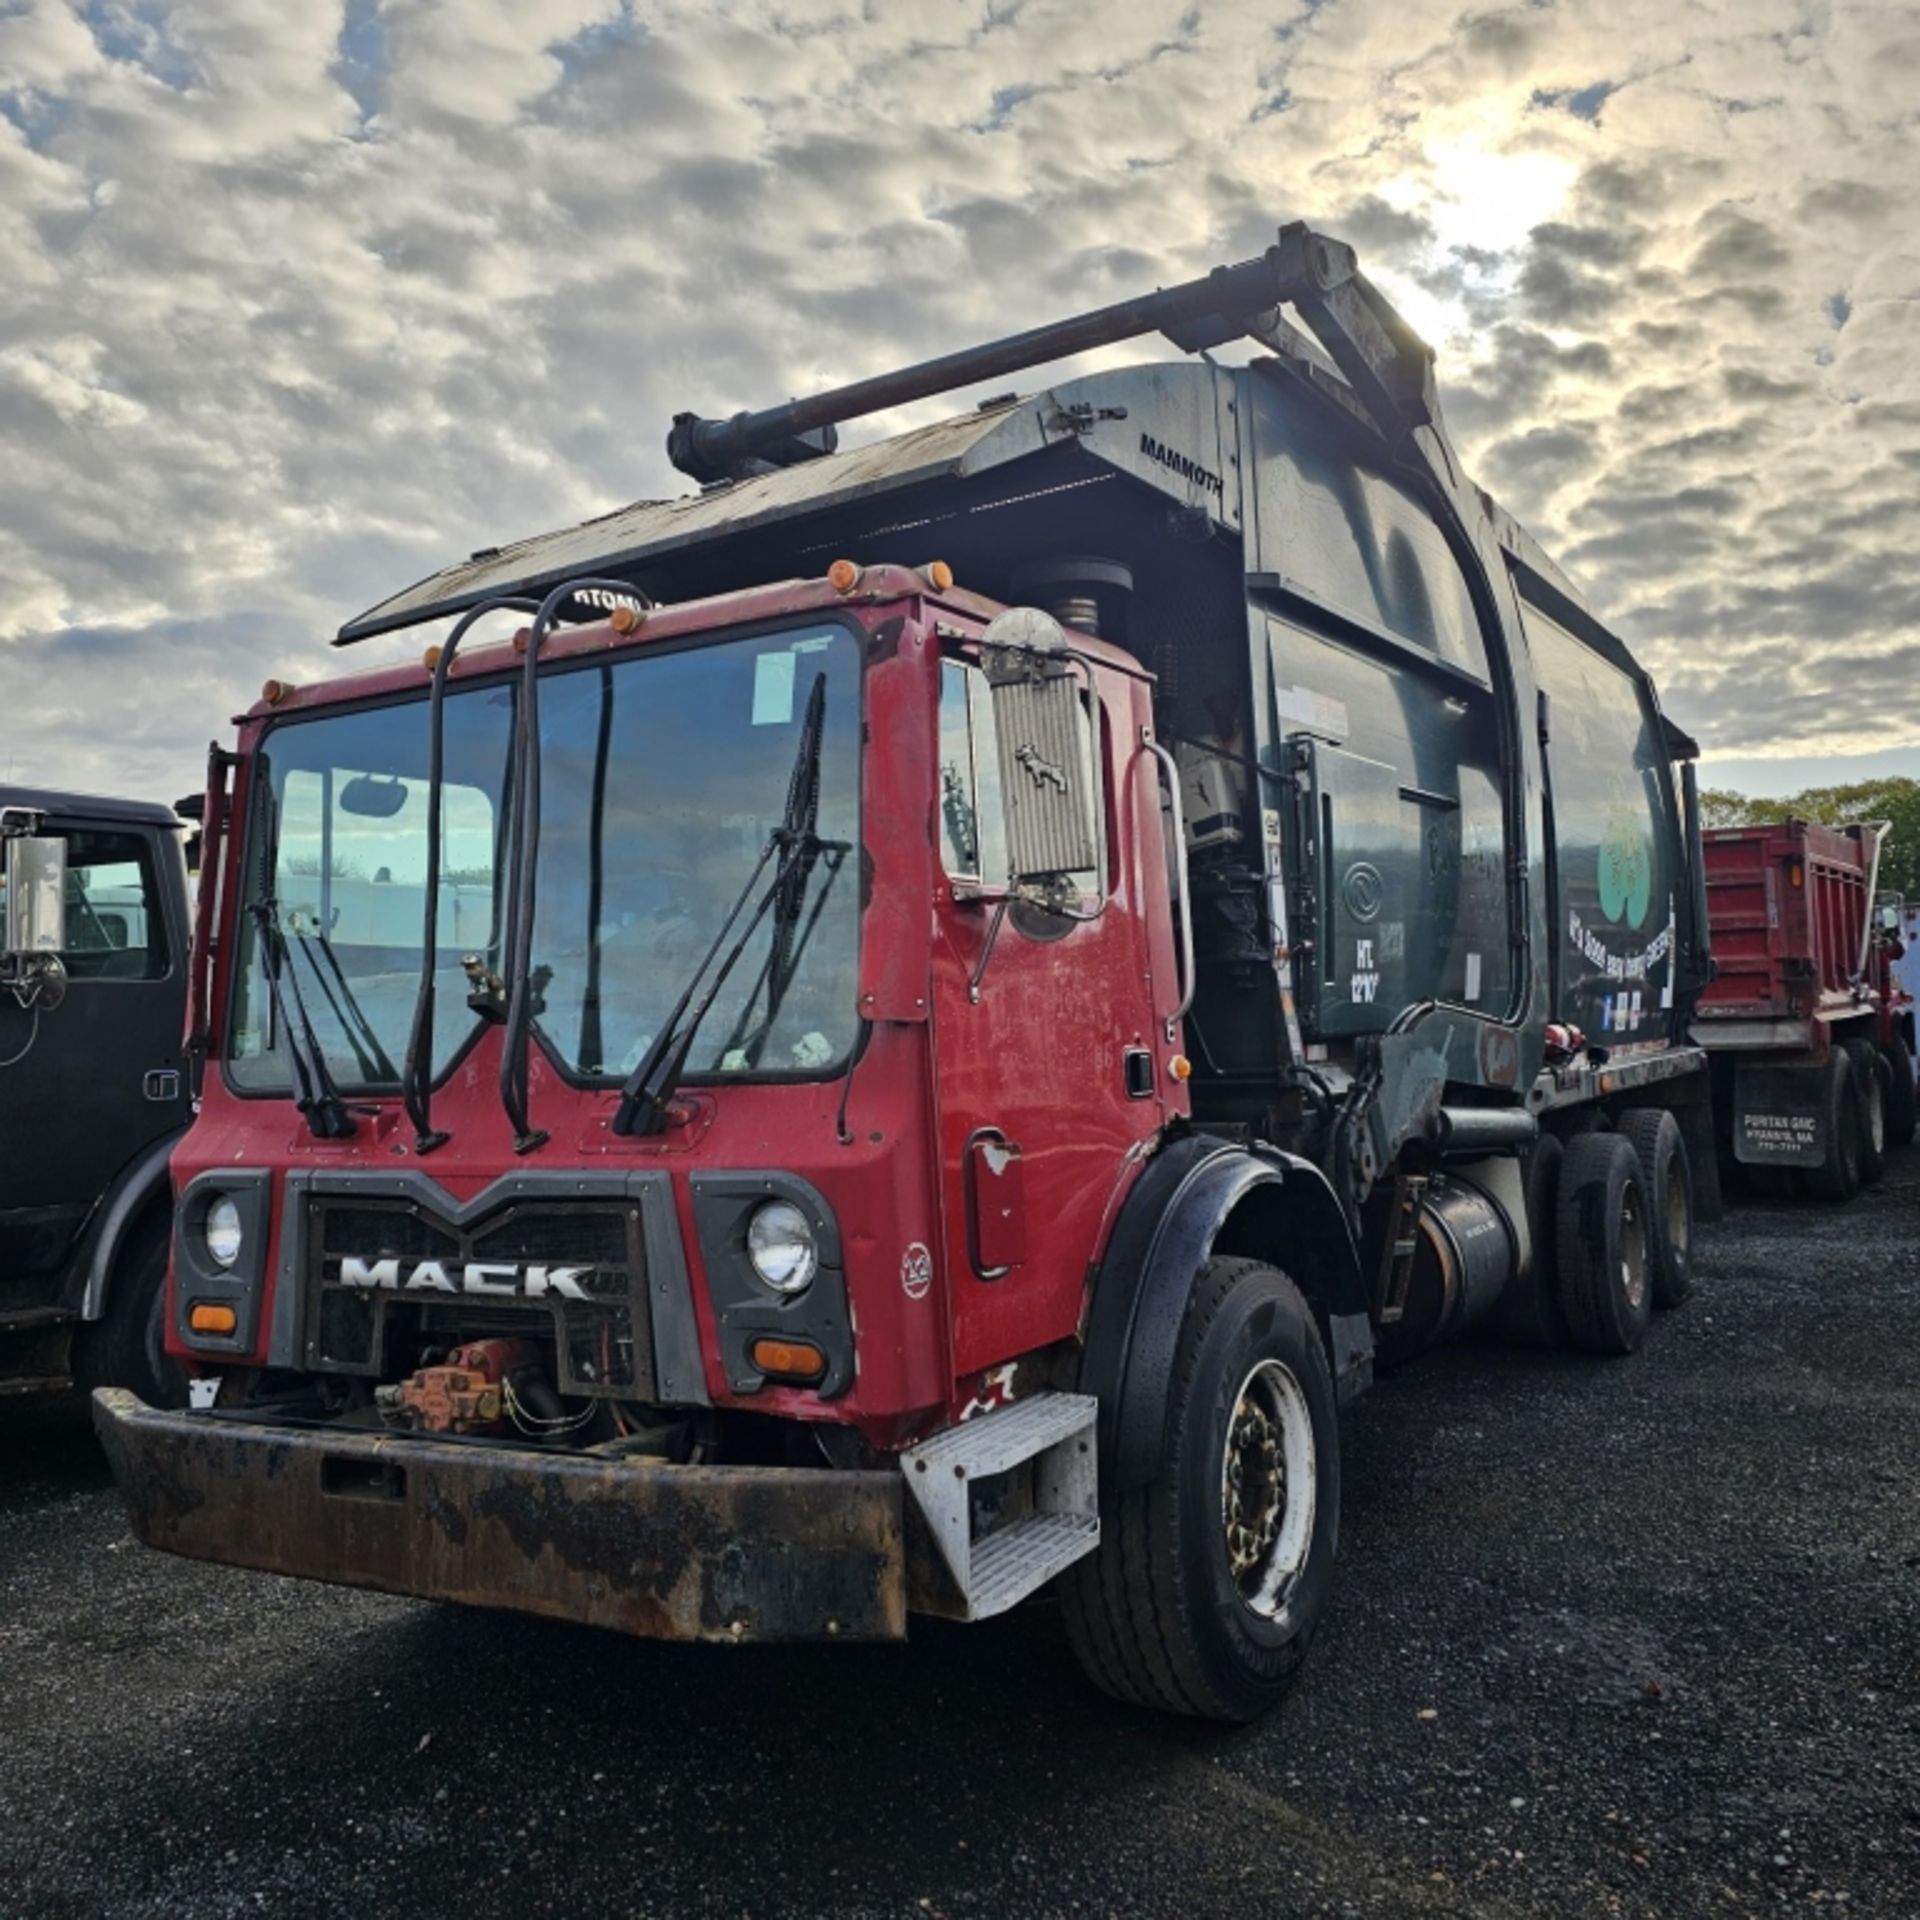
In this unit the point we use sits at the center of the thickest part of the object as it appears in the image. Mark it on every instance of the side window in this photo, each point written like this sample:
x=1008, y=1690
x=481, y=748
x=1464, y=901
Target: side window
x=973, y=841
x=114, y=929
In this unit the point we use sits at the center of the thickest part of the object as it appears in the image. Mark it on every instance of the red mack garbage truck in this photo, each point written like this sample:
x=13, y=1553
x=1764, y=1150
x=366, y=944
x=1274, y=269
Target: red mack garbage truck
x=802, y=1083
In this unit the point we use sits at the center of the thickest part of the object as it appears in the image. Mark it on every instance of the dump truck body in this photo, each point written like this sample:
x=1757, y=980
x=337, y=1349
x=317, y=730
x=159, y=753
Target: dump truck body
x=1812, y=1067
x=1177, y=954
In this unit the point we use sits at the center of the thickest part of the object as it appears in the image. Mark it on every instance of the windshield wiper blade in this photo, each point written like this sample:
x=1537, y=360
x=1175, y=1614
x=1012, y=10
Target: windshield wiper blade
x=315, y=1094
x=369, y=1050
x=790, y=937
x=644, y=1097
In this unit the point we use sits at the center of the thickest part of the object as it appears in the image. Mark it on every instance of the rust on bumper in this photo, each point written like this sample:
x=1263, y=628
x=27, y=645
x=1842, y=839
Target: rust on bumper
x=669, y=1553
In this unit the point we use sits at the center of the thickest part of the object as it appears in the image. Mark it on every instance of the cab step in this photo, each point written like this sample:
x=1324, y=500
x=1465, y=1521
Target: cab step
x=1047, y=1445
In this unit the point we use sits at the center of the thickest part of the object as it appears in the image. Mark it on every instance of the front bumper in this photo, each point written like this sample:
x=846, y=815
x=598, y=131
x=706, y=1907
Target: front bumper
x=665, y=1552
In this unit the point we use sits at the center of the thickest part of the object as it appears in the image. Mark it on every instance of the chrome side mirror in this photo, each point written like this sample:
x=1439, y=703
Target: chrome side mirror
x=36, y=896
x=1040, y=724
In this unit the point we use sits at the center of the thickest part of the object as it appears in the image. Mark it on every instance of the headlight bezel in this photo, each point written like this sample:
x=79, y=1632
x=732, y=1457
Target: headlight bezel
x=200, y=1279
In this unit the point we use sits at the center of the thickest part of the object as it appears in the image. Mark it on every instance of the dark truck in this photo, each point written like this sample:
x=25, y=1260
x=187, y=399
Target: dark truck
x=1807, y=1030
x=93, y=1087
x=794, y=1090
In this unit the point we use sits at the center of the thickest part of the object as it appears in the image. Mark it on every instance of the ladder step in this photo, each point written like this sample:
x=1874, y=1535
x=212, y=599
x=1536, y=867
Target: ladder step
x=995, y=1442
x=1016, y=1561
x=1049, y=1440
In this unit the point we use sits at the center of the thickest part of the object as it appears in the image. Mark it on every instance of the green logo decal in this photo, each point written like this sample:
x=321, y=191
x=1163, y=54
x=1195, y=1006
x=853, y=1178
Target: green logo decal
x=1626, y=863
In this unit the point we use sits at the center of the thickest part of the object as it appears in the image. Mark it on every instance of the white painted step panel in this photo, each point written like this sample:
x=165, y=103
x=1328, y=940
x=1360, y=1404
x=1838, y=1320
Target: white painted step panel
x=1052, y=1437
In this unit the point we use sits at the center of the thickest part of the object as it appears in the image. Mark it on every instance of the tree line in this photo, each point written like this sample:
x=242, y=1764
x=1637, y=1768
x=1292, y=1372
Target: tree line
x=1894, y=799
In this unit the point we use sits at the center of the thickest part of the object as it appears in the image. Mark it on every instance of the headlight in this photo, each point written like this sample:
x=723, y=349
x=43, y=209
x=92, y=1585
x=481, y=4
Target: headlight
x=781, y=1246
x=223, y=1231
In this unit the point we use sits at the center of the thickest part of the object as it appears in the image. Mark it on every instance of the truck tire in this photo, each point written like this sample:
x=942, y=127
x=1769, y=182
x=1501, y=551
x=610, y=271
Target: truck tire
x=1903, y=1108
x=1209, y=1581
x=1528, y=1310
x=1838, y=1176
x=1870, y=1105
x=1602, y=1246
x=1654, y=1134
x=124, y=1347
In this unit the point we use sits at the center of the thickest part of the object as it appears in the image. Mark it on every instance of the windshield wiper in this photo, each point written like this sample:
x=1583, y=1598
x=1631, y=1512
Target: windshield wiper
x=314, y=1091
x=368, y=1049
x=790, y=937
x=416, y=1080
x=644, y=1097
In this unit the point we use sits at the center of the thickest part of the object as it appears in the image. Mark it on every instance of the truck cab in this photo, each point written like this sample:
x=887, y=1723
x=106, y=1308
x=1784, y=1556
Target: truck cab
x=93, y=1086
x=771, y=1080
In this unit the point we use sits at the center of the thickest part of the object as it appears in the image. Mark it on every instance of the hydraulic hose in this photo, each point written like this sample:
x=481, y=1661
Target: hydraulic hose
x=526, y=855
x=416, y=1083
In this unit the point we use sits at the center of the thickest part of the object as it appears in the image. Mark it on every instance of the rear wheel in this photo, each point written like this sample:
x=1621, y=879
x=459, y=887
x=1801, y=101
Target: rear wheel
x=126, y=1347
x=1837, y=1177
x=1654, y=1135
x=1602, y=1245
x=1210, y=1580
x=1902, y=1103
x=1870, y=1107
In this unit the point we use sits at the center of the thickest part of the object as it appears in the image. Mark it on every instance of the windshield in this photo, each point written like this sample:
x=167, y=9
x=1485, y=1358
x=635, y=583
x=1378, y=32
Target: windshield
x=662, y=776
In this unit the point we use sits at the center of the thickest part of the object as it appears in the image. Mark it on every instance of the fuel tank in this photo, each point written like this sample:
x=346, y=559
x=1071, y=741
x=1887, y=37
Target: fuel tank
x=1466, y=1253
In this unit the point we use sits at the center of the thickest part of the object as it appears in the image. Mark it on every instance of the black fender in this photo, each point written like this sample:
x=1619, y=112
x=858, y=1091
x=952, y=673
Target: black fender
x=1200, y=1196
x=126, y=1198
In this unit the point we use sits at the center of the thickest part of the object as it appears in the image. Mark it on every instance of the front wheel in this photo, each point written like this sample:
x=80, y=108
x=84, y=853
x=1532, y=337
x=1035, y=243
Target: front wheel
x=1210, y=1580
x=126, y=1346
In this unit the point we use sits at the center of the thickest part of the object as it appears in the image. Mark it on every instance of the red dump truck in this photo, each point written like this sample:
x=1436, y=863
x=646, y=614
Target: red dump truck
x=1809, y=1034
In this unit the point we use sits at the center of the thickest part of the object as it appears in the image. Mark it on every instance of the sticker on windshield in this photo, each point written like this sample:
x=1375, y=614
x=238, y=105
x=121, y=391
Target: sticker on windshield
x=773, y=690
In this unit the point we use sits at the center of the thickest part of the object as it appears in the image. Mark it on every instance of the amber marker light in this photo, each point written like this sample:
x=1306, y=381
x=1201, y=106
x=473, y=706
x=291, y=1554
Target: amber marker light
x=843, y=576
x=274, y=691
x=207, y=1316
x=787, y=1359
x=939, y=576
x=523, y=640
x=431, y=658
x=1180, y=1067
x=1797, y=874
x=624, y=619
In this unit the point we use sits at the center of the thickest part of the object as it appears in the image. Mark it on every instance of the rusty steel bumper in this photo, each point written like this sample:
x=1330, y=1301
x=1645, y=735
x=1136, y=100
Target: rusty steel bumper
x=669, y=1553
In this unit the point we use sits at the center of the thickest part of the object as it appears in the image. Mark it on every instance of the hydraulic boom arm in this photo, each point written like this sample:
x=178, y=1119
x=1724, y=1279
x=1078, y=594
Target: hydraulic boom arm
x=1387, y=366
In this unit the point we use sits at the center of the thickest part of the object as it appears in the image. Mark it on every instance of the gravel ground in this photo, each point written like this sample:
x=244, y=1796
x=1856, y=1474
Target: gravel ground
x=1635, y=1638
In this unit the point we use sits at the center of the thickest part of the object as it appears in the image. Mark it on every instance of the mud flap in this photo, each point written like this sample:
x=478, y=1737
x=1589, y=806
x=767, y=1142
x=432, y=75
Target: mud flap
x=1778, y=1117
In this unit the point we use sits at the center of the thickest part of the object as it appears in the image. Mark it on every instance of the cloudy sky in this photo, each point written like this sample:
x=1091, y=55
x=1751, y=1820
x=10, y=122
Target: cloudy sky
x=301, y=300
